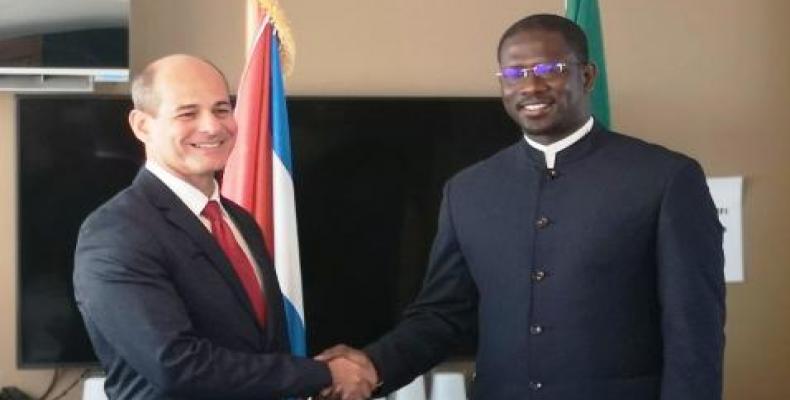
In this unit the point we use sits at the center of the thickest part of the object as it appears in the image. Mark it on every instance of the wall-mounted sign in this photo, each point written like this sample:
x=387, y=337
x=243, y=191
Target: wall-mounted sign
x=727, y=193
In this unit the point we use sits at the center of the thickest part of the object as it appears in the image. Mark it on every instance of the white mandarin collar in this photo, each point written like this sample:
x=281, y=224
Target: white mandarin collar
x=551, y=150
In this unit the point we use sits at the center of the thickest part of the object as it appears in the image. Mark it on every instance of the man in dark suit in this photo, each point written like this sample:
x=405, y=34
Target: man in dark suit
x=589, y=263
x=177, y=292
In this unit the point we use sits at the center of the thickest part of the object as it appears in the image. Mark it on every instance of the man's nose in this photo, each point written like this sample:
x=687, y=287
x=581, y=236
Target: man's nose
x=532, y=84
x=209, y=123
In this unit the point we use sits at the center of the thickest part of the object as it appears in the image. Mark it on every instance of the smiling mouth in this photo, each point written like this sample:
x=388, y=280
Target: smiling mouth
x=532, y=110
x=210, y=145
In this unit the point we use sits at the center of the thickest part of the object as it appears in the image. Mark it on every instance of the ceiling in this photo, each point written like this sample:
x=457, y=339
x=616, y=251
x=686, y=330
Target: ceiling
x=27, y=17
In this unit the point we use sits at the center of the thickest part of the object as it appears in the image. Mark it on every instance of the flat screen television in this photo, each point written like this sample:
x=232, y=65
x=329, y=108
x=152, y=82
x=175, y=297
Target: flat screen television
x=368, y=177
x=93, y=48
x=62, y=41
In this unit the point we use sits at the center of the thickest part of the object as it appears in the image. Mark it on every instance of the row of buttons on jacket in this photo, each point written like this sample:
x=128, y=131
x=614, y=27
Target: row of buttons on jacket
x=539, y=275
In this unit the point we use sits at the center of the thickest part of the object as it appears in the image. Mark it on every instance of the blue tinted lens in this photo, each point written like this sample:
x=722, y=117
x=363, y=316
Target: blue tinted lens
x=512, y=73
x=544, y=69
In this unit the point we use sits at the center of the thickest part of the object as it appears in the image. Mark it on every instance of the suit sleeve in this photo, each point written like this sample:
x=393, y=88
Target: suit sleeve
x=443, y=313
x=130, y=304
x=691, y=288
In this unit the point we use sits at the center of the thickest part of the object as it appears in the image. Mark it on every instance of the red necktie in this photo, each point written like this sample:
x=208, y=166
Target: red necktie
x=241, y=264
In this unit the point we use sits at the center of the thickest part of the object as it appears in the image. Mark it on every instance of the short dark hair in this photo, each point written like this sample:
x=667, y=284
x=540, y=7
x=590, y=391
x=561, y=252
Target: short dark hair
x=572, y=33
x=142, y=88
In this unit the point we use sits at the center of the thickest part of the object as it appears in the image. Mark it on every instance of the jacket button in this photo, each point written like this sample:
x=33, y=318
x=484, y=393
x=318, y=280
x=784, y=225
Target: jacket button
x=542, y=222
x=536, y=329
x=534, y=385
x=552, y=173
x=538, y=275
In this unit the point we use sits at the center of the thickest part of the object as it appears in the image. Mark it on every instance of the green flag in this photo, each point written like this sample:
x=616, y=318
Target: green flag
x=586, y=14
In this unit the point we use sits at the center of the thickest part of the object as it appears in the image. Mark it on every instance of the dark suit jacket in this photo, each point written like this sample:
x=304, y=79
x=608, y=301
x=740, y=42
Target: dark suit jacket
x=167, y=315
x=601, y=280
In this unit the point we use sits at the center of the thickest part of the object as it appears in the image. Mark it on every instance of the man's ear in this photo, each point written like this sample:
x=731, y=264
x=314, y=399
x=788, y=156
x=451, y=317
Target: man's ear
x=589, y=73
x=139, y=122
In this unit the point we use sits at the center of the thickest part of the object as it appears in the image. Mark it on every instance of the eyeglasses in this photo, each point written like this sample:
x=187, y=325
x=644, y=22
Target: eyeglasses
x=547, y=70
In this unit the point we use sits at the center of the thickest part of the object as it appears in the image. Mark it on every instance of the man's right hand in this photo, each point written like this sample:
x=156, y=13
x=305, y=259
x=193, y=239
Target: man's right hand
x=353, y=375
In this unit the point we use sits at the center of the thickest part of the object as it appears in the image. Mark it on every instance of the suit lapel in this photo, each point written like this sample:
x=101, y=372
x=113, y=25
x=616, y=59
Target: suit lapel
x=177, y=213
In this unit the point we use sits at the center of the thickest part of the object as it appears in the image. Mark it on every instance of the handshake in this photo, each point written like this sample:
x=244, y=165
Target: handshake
x=354, y=377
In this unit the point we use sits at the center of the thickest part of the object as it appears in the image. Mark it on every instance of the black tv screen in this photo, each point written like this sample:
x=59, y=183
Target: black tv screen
x=74, y=153
x=82, y=48
x=368, y=178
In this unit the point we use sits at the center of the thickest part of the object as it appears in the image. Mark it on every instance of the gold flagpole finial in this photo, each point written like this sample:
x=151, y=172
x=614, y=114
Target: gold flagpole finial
x=277, y=17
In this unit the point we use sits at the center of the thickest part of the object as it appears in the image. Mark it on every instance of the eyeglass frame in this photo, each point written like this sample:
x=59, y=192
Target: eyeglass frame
x=526, y=72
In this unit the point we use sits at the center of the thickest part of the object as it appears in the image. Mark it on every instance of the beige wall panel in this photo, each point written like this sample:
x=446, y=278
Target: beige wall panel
x=407, y=47
x=213, y=29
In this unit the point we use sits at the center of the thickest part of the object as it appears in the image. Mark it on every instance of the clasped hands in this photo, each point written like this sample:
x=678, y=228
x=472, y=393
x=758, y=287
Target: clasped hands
x=354, y=377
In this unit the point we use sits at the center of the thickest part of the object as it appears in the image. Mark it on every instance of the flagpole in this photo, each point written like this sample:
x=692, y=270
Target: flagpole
x=252, y=24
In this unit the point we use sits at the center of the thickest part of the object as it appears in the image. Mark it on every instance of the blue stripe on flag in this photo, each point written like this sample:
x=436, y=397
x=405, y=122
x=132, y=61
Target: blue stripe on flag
x=281, y=141
x=296, y=330
x=281, y=146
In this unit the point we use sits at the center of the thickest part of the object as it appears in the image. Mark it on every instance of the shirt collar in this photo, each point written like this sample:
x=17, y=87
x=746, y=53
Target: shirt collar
x=192, y=197
x=551, y=150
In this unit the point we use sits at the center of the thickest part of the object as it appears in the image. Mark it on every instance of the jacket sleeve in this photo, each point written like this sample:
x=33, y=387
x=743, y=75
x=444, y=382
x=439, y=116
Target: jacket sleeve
x=443, y=313
x=691, y=288
x=131, y=305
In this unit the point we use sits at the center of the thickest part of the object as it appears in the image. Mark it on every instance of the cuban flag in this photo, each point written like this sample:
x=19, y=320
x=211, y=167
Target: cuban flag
x=258, y=175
